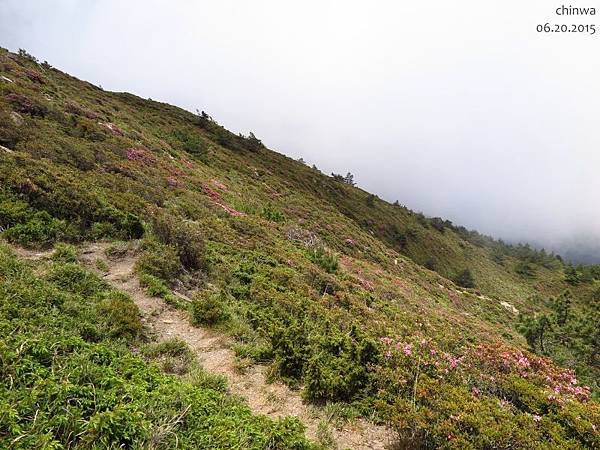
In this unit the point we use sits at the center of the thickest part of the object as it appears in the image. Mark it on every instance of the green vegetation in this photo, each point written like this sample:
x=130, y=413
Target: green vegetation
x=311, y=275
x=324, y=258
x=65, y=253
x=69, y=379
x=465, y=279
x=174, y=356
x=159, y=261
x=209, y=308
x=569, y=335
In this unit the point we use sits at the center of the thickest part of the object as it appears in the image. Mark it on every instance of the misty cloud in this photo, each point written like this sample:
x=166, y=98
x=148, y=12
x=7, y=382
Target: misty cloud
x=457, y=109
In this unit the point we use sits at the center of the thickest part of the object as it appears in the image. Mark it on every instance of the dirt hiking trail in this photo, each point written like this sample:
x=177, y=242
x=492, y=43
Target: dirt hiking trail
x=213, y=352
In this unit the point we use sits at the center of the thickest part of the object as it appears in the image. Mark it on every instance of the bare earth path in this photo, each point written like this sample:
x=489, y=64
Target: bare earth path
x=214, y=353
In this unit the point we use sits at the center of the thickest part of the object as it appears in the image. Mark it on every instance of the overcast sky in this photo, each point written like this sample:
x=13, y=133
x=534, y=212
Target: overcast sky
x=458, y=109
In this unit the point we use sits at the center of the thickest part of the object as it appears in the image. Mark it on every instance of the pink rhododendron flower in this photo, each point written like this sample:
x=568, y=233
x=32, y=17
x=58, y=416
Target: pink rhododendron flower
x=386, y=340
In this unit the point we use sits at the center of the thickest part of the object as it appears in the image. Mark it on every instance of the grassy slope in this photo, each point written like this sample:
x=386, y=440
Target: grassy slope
x=285, y=307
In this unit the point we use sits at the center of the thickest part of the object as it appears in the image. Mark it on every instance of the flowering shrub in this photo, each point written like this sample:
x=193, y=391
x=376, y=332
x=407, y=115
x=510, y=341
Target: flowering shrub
x=173, y=181
x=35, y=76
x=450, y=400
x=557, y=385
x=140, y=154
x=24, y=104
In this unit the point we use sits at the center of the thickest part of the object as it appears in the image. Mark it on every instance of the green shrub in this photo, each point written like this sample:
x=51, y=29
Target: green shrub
x=274, y=215
x=10, y=132
x=465, y=279
x=256, y=351
x=191, y=142
x=154, y=286
x=291, y=348
x=325, y=258
x=370, y=200
x=171, y=347
x=209, y=308
x=572, y=275
x=74, y=278
x=525, y=269
x=121, y=316
x=430, y=264
x=100, y=230
x=174, y=355
x=340, y=368
x=202, y=379
x=40, y=229
x=13, y=211
x=185, y=237
x=129, y=225
x=64, y=253
x=159, y=260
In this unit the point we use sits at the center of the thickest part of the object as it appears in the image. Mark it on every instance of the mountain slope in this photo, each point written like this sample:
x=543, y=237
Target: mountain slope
x=316, y=277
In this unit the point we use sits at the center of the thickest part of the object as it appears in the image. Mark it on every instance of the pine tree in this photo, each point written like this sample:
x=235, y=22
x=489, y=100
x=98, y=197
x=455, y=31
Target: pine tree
x=534, y=329
x=572, y=275
x=562, y=308
x=370, y=200
x=465, y=279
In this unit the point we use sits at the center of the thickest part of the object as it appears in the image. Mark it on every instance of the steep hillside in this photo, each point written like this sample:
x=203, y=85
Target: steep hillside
x=343, y=295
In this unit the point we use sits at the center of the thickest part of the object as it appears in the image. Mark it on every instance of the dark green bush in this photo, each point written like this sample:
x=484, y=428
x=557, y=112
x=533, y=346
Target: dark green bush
x=13, y=211
x=64, y=253
x=430, y=264
x=173, y=355
x=370, y=200
x=191, y=142
x=40, y=229
x=572, y=275
x=184, y=236
x=525, y=269
x=121, y=315
x=209, y=308
x=159, y=260
x=325, y=258
x=154, y=285
x=42, y=213
x=128, y=225
x=340, y=368
x=74, y=278
x=272, y=214
x=10, y=133
x=102, y=230
x=291, y=349
x=171, y=347
x=465, y=279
